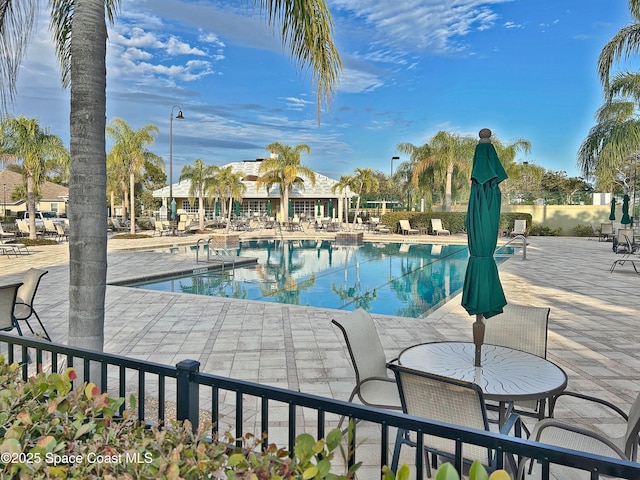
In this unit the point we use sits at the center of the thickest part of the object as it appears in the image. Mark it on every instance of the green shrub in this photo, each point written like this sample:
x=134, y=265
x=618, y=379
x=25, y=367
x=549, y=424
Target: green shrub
x=48, y=430
x=583, y=231
x=542, y=231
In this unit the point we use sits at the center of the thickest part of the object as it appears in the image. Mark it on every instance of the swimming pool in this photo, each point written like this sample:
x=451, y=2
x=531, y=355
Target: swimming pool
x=405, y=279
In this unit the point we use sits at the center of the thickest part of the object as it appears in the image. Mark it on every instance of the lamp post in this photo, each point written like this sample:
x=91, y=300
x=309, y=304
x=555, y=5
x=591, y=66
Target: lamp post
x=171, y=200
x=391, y=174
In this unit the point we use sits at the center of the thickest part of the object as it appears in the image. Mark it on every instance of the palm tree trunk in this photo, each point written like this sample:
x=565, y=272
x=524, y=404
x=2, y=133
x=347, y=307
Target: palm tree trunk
x=201, y=212
x=229, y=214
x=132, y=187
x=447, y=193
x=88, y=176
x=31, y=208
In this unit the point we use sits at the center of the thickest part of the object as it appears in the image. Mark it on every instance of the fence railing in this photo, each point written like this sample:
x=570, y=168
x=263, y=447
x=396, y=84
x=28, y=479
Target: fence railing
x=239, y=407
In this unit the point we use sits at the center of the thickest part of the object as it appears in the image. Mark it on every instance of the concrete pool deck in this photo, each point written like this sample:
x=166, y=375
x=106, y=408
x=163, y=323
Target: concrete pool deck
x=593, y=325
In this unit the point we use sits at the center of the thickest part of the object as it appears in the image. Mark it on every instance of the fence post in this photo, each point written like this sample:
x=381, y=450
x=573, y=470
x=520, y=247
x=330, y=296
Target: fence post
x=188, y=400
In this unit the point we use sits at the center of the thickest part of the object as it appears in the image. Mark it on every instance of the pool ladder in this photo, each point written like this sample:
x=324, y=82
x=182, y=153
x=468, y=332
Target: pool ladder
x=214, y=245
x=522, y=238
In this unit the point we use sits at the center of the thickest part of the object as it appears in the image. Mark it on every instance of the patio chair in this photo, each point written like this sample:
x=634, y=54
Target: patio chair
x=436, y=227
x=26, y=294
x=606, y=232
x=630, y=250
x=117, y=226
x=49, y=227
x=519, y=228
x=4, y=234
x=577, y=437
x=62, y=233
x=445, y=400
x=524, y=328
x=373, y=386
x=8, y=295
x=405, y=228
x=620, y=244
x=23, y=228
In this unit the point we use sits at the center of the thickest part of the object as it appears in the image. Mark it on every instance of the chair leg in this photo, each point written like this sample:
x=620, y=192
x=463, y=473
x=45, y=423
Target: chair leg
x=46, y=334
x=353, y=394
x=396, y=450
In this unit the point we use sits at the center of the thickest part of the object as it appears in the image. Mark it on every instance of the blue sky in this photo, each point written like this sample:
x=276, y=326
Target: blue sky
x=523, y=68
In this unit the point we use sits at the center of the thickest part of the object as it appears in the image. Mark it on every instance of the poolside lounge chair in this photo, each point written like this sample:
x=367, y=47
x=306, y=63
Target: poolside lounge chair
x=8, y=295
x=373, y=386
x=49, y=227
x=524, y=328
x=117, y=226
x=606, y=232
x=446, y=400
x=62, y=233
x=577, y=437
x=436, y=227
x=405, y=228
x=519, y=228
x=23, y=228
x=4, y=234
x=630, y=250
x=26, y=294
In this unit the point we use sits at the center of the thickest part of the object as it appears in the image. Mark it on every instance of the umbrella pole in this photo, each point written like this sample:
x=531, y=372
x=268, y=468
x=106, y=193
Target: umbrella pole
x=478, y=337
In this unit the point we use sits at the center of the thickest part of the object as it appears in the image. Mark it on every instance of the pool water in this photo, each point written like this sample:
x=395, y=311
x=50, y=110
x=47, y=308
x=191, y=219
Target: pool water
x=401, y=279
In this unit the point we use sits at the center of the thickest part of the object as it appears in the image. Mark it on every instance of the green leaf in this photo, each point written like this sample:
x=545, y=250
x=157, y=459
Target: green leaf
x=84, y=429
x=310, y=472
x=477, y=471
x=324, y=466
x=447, y=472
x=333, y=439
x=235, y=459
x=403, y=472
x=11, y=445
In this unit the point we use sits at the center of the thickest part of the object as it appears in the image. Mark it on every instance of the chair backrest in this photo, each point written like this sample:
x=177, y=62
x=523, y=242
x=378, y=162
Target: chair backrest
x=30, y=282
x=633, y=430
x=365, y=349
x=405, y=225
x=446, y=400
x=8, y=295
x=606, y=228
x=436, y=224
x=521, y=327
x=60, y=229
x=49, y=226
x=622, y=233
x=23, y=227
x=520, y=226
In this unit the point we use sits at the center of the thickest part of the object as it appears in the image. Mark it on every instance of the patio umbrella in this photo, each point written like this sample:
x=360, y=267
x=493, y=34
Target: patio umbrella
x=318, y=209
x=626, y=220
x=612, y=215
x=290, y=209
x=173, y=209
x=217, y=208
x=482, y=293
x=237, y=208
x=268, y=208
x=331, y=208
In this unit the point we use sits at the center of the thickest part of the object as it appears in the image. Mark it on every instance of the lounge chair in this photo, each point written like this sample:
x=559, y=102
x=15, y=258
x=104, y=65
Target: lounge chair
x=49, y=227
x=620, y=244
x=519, y=228
x=8, y=295
x=577, y=437
x=62, y=233
x=373, y=385
x=23, y=228
x=26, y=294
x=445, y=400
x=4, y=234
x=436, y=227
x=524, y=328
x=405, y=228
x=117, y=226
x=606, y=232
x=630, y=250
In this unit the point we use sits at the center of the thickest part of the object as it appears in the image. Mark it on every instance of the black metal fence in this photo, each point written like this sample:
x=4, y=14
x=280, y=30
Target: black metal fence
x=239, y=407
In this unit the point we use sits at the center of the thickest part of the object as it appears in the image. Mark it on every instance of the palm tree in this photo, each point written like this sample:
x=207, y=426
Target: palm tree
x=22, y=140
x=283, y=168
x=427, y=178
x=342, y=186
x=198, y=175
x=448, y=153
x=129, y=148
x=230, y=186
x=363, y=181
x=306, y=29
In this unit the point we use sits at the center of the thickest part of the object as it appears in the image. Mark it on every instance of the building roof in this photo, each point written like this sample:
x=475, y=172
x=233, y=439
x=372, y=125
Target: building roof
x=49, y=191
x=249, y=168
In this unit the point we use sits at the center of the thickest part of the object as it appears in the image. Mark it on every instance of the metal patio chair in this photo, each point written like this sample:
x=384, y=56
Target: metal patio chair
x=445, y=400
x=24, y=309
x=373, y=385
x=8, y=295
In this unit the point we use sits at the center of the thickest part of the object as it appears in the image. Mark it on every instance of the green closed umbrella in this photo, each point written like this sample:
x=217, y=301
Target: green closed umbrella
x=237, y=208
x=612, y=215
x=626, y=220
x=217, y=208
x=173, y=209
x=318, y=209
x=268, y=208
x=330, y=208
x=482, y=293
x=290, y=209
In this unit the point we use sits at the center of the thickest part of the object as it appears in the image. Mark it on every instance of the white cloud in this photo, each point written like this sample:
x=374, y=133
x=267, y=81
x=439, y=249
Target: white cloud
x=295, y=103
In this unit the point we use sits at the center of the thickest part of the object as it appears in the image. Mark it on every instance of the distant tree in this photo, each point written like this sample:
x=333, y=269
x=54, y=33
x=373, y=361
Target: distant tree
x=283, y=168
x=230, y=186
x=197, y=176
x=23, y=141
x=341, y=187
x=363, y=181
x=562, y=187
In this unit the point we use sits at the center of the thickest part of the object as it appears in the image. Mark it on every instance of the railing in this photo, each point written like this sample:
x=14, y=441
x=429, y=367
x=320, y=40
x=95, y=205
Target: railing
x=213, y=245
x=523, y=239
x=279, y=414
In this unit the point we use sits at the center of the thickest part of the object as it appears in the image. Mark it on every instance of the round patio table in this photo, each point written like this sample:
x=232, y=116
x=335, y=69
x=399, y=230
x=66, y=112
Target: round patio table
x=505, y=375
